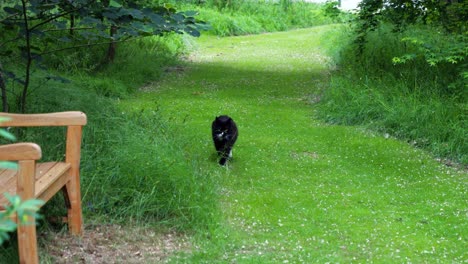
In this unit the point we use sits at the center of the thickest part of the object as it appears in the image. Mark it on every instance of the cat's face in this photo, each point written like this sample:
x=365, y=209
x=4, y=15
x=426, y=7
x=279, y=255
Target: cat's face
x=221, y=126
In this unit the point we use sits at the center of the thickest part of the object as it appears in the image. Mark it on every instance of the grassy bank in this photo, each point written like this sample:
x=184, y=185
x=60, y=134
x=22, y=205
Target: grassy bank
x=134, y=170
x=418, y=103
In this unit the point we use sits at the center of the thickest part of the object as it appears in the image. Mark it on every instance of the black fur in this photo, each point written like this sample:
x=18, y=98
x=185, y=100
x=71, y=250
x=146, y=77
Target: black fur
x=224, y=132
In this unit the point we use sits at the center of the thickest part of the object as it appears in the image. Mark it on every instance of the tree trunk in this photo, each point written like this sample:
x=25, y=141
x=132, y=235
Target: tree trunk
x=112, y=46
x=72, y=24
x=24, y=94
x=4, y=92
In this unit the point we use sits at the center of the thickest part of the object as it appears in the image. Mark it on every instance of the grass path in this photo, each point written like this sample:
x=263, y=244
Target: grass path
x=298, y=190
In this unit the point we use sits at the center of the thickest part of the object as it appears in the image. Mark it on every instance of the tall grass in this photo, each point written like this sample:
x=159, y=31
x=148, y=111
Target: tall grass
x=133, y=166
x=133, y=163
x=253, y=17
x=147, y=176
x=423, y=105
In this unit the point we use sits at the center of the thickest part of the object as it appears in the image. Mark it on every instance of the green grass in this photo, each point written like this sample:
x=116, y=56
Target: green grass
x=133, y=167
x=299, y=190
x=253, y=17
x=421, y=104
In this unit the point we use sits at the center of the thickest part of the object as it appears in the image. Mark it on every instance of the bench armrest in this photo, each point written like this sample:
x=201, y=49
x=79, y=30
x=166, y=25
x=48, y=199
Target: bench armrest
x=20, y=151
x=72, y=118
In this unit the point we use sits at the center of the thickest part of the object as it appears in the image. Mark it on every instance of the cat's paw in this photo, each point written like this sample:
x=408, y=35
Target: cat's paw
x=222, y=161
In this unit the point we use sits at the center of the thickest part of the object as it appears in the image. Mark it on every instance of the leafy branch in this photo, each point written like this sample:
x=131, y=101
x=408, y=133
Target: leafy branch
x=31, y=28
x=434, y=55
x=24, y=210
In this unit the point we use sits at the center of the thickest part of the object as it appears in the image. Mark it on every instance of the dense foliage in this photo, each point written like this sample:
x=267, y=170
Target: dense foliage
x=433, y=31
x=31, y=30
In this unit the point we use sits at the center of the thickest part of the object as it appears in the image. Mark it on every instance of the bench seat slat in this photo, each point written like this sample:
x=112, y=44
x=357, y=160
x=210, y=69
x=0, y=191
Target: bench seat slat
x=5, y=176
x=46, y=180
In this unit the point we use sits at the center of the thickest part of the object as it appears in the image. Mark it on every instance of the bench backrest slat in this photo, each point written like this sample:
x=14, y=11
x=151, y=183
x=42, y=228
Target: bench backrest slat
x=72, y=118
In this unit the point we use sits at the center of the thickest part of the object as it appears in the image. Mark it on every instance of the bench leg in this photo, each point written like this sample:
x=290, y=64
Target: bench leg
x=27, y=243
x=27, y=239
x=73, y=202
x=72, y=189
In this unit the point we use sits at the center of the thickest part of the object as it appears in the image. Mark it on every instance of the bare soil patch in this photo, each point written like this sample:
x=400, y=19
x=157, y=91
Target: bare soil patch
x=115, y=244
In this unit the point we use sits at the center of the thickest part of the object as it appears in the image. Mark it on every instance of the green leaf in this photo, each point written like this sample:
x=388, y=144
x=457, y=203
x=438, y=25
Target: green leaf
x=14, y=200
x=11, y=10
x=136, y=14
x=3, y=236
x=110, y=15
x=3, y=119
x=115, y=3
x=178, y=17
x=191, y=13
x=7, y=135
x=7, y=226
x=192, y=32
x=432, y=62
x=64, y=39
x=169, y=7
x=59, y=24
x=8, y=165
x=90, y=21
x=31, y=205
x=156, y=19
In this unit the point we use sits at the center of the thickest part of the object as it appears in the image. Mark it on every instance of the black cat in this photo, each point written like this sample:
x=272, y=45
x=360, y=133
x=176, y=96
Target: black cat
x=224, y=131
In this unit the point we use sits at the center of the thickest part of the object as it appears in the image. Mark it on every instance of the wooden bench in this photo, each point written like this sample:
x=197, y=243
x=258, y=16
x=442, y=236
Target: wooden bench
x=43, y=180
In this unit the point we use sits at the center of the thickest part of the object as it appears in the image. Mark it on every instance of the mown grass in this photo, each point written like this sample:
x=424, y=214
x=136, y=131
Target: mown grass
x=299, y=190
